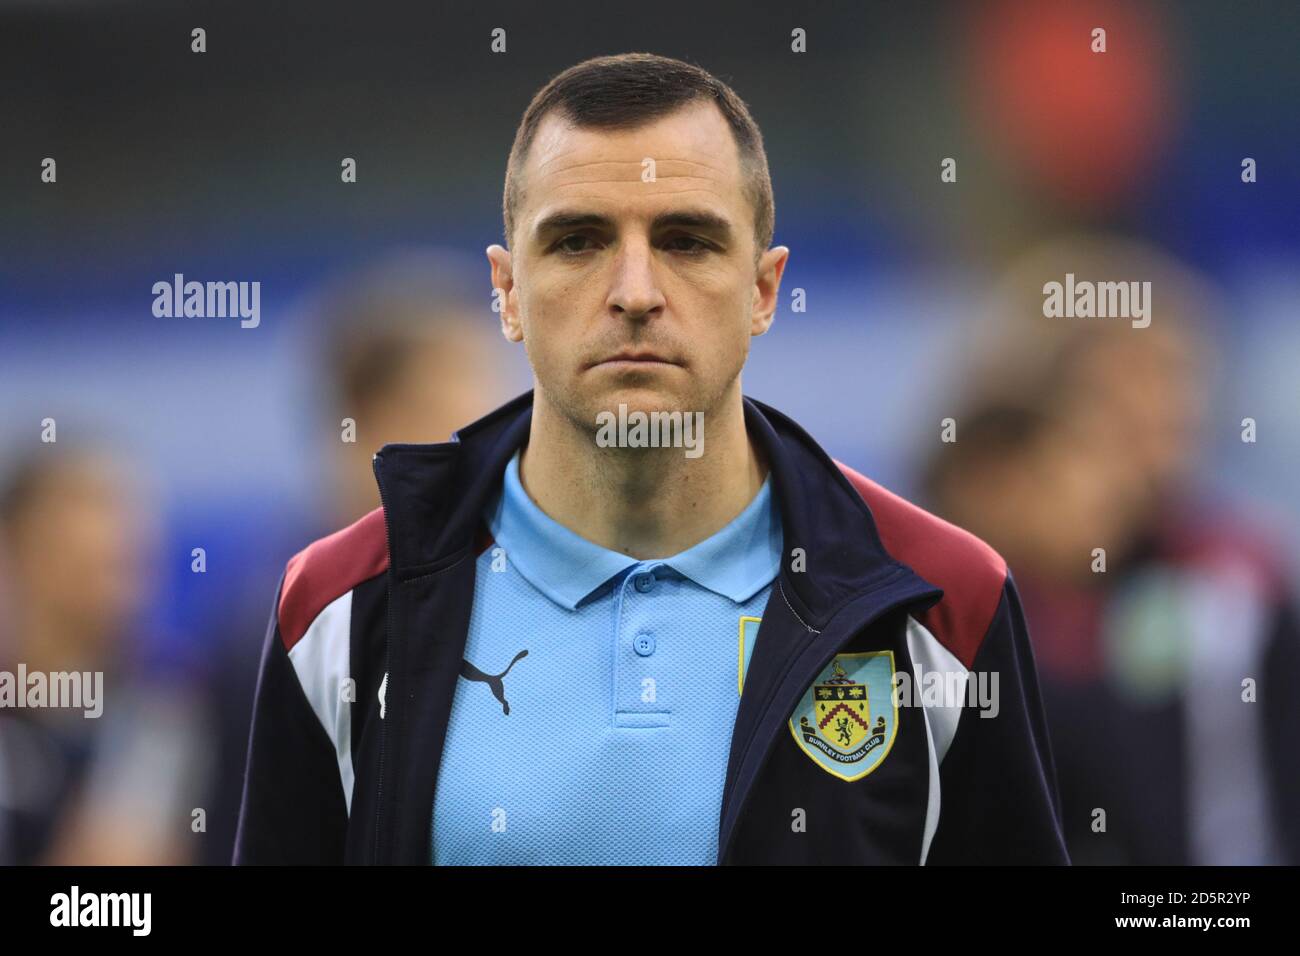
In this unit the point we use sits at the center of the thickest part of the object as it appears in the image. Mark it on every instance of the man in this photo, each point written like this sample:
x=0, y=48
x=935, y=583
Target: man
x=403, y=355
x=406, y=357
x=110, y=774
x=1162, y=612
x=545, y=647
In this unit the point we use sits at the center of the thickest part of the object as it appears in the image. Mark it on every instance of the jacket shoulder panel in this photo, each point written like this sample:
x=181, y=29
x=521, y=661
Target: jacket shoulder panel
x=327, y=569
x=970, y=572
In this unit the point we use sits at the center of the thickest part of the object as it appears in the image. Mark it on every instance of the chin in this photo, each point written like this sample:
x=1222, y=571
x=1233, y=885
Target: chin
x=640, y=398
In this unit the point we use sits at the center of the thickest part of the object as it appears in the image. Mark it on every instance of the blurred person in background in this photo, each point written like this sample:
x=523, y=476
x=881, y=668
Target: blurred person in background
x=406, y=350
x=1168, y=676
x=410, y=355
x=77, y=554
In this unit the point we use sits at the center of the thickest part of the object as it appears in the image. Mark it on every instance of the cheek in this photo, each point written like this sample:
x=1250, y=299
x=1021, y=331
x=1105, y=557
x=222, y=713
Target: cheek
x=549, y=301
x=546, y=322
x=725, y=323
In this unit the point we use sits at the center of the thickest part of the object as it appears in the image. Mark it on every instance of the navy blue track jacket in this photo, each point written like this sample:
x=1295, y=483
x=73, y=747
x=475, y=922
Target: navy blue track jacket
x=364, y=649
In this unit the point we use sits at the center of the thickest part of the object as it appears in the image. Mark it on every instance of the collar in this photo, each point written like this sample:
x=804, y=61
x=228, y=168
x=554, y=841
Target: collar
x=434, y=496
x=737, y=561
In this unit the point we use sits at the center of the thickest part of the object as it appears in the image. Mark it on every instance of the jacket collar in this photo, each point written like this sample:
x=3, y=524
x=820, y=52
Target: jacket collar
x=434, y=496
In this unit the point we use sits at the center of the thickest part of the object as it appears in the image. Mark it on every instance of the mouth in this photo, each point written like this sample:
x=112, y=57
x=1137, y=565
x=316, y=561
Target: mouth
x=633, y=360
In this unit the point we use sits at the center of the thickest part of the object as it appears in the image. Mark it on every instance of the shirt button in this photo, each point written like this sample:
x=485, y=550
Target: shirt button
x=645, y=582
x=644, y=644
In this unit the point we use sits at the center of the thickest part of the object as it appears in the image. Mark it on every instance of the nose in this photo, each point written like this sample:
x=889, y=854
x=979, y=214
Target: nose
x=634, y=291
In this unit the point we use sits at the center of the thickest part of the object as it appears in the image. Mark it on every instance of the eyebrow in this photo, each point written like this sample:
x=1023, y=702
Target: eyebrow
x=683, y=218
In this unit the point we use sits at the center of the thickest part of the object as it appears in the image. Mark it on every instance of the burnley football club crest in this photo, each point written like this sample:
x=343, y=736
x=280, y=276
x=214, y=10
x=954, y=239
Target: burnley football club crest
x=847, y=719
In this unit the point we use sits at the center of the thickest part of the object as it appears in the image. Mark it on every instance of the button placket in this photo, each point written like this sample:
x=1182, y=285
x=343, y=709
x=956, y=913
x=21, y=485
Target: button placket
x=634, y=649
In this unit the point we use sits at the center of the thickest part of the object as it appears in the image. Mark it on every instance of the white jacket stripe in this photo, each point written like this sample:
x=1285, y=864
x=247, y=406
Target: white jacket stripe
x=321, y=660
x=929, y=656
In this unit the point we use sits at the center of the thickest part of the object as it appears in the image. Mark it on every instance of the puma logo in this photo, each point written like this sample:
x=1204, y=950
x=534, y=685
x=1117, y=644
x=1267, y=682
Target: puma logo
x=470, y=672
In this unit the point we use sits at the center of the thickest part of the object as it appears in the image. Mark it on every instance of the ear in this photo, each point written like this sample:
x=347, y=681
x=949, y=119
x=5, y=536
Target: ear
x=767, y=286
x=503, y=279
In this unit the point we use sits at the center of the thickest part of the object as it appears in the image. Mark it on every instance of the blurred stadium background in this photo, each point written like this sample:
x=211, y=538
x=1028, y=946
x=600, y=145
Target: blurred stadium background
x=226, y=166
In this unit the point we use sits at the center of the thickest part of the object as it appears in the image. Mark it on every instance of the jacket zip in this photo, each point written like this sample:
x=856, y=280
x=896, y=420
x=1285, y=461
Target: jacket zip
x=388, y=637
x=807, y=626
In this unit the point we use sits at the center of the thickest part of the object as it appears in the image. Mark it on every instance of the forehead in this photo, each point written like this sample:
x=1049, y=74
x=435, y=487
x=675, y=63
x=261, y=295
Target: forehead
x=695, y=155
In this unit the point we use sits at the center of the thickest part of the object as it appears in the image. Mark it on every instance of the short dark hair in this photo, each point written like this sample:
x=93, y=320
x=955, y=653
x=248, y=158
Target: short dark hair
x=630, y=90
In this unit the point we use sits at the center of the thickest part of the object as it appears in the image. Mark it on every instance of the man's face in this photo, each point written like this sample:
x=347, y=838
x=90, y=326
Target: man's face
x=631, y=289
x=84, y=551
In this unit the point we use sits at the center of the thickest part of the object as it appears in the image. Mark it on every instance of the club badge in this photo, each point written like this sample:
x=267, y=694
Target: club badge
x=846, y=721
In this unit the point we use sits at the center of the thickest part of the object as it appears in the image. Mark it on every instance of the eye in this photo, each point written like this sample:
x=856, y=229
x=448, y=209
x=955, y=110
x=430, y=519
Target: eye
x=691, y=245
x=566, y=247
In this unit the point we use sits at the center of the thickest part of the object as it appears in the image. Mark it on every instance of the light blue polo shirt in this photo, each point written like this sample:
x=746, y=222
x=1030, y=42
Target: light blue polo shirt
x=599, y=726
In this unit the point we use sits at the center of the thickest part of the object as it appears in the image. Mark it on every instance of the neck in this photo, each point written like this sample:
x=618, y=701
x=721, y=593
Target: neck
x=643, y=502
